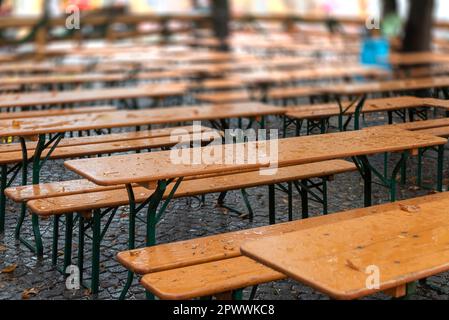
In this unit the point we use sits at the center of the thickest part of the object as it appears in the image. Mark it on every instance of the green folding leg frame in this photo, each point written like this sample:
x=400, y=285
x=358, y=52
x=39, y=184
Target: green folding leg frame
x=38, y=162
x=154, y=215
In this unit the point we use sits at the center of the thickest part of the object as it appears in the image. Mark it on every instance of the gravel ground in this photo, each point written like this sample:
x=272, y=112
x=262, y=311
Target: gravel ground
x=186, y=219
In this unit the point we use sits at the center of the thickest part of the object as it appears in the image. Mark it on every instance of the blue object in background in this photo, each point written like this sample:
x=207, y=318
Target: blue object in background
x=375, y=52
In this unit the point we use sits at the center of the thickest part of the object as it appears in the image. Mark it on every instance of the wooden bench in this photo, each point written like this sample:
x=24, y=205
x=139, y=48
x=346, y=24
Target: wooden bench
x=217, y=84
x=285, y=95
x=57, y=112
x=100, y=144
x=213, y=265
x=317, y=115
x=224, y=97
x=70, y=196
x=84, y=197
x=12, y=154
x=153, y=91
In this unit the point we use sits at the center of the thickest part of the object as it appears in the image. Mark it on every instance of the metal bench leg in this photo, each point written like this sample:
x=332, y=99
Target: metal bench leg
x=325, y=207
x=290, y=201
x=3, y=183
x=365, y=170
x=247, y=204
x=81, y=234
x=419, y=169
x=96, y=235
x=37, y=166
x=403, y=172
x=304, y=200
x=271, y=204
x=54, y=255
x=131, y=237
x=237, y=294
x=394, y=175
x=440, y=168
x=68, y=240
x=253, y=293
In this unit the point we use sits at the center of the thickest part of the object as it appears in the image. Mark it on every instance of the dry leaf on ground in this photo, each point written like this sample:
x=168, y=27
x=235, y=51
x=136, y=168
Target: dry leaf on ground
x=27, y=293
x=9, y=269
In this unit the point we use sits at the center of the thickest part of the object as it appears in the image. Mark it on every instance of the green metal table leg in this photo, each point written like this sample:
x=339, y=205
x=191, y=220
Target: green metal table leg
x=152, y=213
x=36, y=177
x=271, y=204
x=96, y=235
x=304, y=200
x=3, y=184
x=325, y=207
x=290, y=201
x=237, y=294
x=440, y=168
x=23, y=208
x=365, y=170
x=68, y=240
x=131, y=236
x=403, y=172
x=81, y=235
x=419, y=169
x=394, y=174
x=247, y=204
x=54, y=254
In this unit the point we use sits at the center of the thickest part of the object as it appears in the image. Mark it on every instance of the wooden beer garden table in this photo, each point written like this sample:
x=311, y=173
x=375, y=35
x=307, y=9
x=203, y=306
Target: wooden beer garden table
x=154, y=91
x=360, y=91
x=403, y=244
x=156, y=170
x=41, y=128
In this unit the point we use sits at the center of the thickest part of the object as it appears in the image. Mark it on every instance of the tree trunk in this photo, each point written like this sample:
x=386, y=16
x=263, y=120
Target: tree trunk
x=418, y=31
x=220, y=21
x=389, y=7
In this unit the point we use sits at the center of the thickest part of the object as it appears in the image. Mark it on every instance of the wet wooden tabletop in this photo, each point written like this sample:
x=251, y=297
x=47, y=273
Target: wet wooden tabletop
x=404, y=244
x=80, y=96
x=143, y=168
x=416, y=58
x=131, y=118
x=386, y=86
x=313, y=74
x=371, y=105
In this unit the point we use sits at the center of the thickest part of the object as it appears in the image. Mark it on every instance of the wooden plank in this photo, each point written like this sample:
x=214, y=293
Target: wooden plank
x=62, y=79
x=317, y=73
x=385, y=86
x=81, y=96
x=405, y=244
x=193, y=187
x=294, y=92
x=208, y=279
x=421, y=125
x=417, y=58
x=82, y=150
x=227, y=245
x=291, y=151
x=224, y=97
x=370, y=106
x=114, y=137
x=57, y=112
x=120, y=119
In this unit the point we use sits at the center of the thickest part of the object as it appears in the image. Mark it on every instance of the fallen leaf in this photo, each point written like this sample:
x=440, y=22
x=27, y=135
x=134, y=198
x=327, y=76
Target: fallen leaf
x=9, y=269
x=2, y=248
x=410, y=209
x=27, y=293
x=351, y=265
